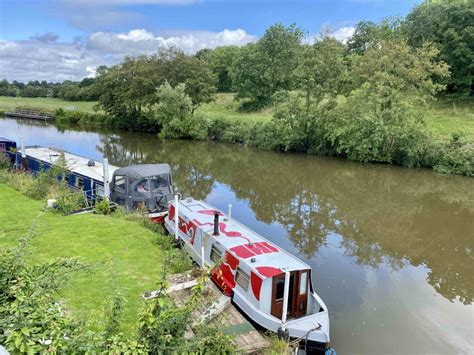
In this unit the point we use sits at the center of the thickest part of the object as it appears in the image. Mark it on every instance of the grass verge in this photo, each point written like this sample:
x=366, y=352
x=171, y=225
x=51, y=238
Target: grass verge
x=45, y=104
x=123, y=255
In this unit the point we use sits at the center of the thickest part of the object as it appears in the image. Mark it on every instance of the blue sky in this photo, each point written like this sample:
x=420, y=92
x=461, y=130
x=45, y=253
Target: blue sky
x=82, y=33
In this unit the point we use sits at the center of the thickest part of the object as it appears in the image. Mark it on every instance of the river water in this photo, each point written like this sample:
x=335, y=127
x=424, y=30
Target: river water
x=391, y=248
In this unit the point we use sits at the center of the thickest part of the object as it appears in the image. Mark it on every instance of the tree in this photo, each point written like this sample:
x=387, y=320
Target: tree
x=221, y=61
x=320, y=75
x=197, y=76
x=449, y=25
x=369, y=34
x=173, y=112
x=381, y=119
x=266, y=67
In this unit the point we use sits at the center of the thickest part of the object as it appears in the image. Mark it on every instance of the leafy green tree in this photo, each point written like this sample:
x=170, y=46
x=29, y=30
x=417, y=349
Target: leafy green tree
x=267, y=66
x=197, y=76
x=320, y=75
x=369, y=34
x=221, y=61
x=174, y=113
x=449, y=25
x=381, y=119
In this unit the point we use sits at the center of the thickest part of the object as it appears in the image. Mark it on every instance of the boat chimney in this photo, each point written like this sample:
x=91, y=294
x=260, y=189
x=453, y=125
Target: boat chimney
x=229, y=213
x=216, y=223
x=105, y=173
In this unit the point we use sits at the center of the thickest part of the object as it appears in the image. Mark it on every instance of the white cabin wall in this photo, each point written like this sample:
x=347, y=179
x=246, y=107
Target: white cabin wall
x=266, y=296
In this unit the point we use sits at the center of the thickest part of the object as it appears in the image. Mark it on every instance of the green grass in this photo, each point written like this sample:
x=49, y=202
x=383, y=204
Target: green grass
x=44, y=103
x=446, y=117
x=122, y=254
x=225, y=106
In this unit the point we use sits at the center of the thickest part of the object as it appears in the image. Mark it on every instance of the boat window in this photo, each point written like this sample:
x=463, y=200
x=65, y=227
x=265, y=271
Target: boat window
x=242, y=279
x=158, y=182
x=142, y=186
x=216, y=255
x=280, y=288
x=119, y=183
x=303, y=283
x=79, y=182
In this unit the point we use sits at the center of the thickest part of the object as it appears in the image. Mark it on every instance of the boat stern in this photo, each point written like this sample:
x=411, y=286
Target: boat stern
x=312, y=330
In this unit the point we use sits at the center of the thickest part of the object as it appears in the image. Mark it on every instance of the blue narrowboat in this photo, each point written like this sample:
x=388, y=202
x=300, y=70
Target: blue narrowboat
x=143, y=187
x=8, y=149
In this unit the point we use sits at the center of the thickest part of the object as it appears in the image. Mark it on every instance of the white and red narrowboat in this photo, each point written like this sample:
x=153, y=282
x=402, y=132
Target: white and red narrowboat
x=271, y=286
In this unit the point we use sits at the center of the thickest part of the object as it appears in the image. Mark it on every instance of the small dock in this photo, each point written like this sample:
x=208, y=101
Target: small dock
x=34, y=115
x=217, y=309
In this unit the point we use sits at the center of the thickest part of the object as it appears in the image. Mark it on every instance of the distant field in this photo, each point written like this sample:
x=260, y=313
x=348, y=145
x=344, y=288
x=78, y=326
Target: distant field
x=225, y=106
x=447, y=117
x=442, y=119
x=42, y=103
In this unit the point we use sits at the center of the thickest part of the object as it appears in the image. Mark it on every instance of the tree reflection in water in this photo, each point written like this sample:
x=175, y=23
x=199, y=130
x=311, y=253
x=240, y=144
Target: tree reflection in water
x=384, y=214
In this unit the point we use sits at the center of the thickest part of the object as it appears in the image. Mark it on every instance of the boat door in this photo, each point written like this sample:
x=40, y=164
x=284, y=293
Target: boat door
x=297, y=294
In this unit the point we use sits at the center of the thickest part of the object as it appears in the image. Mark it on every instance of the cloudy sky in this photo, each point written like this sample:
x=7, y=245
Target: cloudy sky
x=57, y=40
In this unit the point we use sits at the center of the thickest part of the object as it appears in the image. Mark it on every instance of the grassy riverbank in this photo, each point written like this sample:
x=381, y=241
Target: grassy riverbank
x=44, y=103
x=122, y=255
x=442, y=119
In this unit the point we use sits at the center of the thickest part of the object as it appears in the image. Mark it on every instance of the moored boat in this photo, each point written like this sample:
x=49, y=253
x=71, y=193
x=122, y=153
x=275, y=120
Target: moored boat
x=145, y=187
x=271, y=286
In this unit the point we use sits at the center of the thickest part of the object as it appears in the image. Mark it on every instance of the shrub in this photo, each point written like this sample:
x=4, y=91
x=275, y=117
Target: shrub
x=102, y=206
x=4, y=162
x=457, y=157
x=68, y=200
x=174, y=111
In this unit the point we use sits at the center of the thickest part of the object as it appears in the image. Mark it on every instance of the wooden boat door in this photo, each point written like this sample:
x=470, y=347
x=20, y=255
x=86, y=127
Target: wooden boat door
x=278, y=290
x=301, y=294
x=297, y=294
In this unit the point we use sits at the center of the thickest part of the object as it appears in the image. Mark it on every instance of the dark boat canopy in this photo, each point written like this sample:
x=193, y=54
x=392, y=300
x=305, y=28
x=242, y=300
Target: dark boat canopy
x=144, y=170
x=142, y=186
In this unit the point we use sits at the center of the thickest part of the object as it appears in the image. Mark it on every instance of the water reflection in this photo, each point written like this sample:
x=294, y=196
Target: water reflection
x=376, y=236
x=385, y=214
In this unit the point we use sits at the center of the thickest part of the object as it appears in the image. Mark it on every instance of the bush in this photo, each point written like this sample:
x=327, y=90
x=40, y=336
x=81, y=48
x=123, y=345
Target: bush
x=457, y=157
x=4, y=162
x=102, y=206
x=68, y=201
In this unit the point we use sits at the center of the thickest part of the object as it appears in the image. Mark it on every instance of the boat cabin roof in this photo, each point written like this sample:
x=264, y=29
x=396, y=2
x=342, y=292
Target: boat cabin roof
x=2, y=139
x=75, y=163
x=258, y=253
x=144, y=170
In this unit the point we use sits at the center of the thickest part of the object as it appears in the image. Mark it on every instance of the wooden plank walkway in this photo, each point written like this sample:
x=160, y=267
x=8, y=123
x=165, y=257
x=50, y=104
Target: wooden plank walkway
x=35, y=115
x=247, y=339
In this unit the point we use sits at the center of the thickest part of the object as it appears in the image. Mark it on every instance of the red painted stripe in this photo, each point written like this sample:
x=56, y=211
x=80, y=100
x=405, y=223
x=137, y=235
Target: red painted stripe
x=271, y=247
x=268, y=271
x=242, y=252
x=256, y=283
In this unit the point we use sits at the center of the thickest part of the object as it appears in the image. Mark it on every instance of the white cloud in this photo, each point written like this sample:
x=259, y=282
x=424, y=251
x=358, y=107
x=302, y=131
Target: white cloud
x=141, y=41
x=343, y=34
x=95, y=15
x=58, y=61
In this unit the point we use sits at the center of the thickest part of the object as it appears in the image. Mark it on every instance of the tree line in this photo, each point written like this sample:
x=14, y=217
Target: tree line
x=84, y=90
